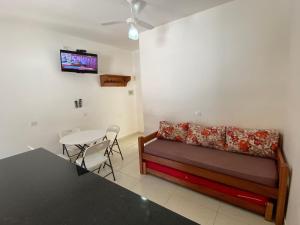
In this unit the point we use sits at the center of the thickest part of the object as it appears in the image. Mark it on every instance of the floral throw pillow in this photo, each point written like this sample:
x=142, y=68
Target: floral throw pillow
x=172, y=131
x=263, y=143
x=212, y=137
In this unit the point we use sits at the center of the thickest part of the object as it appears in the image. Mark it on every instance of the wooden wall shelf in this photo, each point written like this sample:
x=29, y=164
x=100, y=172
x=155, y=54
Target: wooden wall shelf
x=110, y=80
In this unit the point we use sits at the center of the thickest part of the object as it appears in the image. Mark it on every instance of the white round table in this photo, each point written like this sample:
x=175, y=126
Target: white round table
x=82, y=137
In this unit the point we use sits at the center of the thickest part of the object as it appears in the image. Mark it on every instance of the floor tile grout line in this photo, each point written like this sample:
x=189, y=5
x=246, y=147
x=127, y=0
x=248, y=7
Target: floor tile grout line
x=122, y=167
x=217, y=213
x=129, y=175
x=170, y=196
x=128, y=146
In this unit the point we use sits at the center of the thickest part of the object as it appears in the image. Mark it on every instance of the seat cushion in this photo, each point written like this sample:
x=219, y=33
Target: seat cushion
x=256, y=169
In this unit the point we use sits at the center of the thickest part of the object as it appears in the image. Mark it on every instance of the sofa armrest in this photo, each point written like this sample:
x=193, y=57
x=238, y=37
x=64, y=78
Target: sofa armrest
x=281, y=162
x=149, y=137
x=142, y=140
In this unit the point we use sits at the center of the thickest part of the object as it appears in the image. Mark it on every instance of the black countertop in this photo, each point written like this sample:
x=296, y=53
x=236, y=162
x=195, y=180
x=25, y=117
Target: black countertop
x=39, y=188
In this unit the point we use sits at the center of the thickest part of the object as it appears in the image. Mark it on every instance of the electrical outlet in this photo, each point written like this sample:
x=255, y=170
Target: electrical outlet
x=198, y=113
x=33, y=123
x=131, y=92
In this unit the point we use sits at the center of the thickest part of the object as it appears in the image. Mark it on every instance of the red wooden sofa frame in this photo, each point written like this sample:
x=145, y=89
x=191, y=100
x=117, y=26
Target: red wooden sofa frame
x=277, y=195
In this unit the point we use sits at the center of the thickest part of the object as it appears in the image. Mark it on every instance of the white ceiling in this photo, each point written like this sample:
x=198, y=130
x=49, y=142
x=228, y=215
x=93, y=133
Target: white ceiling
x=83, y=17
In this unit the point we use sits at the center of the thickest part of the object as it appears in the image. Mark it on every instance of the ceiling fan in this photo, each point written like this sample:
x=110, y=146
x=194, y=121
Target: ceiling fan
x=136, y=6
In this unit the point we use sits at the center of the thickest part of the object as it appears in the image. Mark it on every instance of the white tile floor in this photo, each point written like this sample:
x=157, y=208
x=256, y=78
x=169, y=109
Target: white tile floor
x=195, y=206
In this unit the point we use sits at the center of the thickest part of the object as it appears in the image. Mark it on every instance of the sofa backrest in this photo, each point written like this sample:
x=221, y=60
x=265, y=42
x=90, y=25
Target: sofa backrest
x=256, y=142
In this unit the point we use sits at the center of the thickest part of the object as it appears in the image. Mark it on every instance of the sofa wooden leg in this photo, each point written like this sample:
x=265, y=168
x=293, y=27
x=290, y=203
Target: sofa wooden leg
x=144, y=168
x=281, y=201
x=141, y=167
x=141, y=149
x=269, y=211
x=280, y=211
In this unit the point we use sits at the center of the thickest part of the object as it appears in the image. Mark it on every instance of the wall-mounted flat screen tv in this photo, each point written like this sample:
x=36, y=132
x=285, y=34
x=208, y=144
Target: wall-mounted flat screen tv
x=78, y=62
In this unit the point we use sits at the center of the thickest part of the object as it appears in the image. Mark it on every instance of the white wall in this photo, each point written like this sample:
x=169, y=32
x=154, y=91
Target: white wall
x=228, y=62
x=292, y=120
x=137, y=72
x=32, y=88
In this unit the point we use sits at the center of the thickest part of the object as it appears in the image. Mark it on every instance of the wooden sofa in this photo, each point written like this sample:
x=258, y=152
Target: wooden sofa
x=274, y=193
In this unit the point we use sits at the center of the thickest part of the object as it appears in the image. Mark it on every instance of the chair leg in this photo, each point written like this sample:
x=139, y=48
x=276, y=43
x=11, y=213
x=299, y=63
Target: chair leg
x=99, y=168
x=119, y=149
x=111, y=166
x=111, y=150
x=65, y=149
x=81, y=148
x=83, y=165
x=107, y=152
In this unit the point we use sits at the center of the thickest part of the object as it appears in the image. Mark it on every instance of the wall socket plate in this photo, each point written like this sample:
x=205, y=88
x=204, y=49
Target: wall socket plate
x=33, y=123
x=198, y=113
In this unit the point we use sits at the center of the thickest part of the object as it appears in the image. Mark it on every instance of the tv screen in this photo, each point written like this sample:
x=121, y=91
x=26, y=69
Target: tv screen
x=78, y=62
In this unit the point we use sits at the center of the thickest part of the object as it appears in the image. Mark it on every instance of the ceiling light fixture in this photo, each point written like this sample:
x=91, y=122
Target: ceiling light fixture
x=136, y=6
x=133, y=33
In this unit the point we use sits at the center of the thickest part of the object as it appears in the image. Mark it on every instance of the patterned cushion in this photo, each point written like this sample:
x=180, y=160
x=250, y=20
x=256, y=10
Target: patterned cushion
x=170, y=131
x=212, y=137
x=263, y=143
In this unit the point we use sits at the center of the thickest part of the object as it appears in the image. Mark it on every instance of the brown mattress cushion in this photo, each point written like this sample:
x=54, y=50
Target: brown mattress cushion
x=256, y=169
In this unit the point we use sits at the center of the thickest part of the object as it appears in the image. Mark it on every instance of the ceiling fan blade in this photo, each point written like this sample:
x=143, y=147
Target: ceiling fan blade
x=143, y=24
x=113, y=23
x=138, y=6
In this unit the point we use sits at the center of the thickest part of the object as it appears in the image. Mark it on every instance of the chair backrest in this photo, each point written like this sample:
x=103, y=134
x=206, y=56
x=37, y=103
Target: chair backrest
x=112, y=132
x=96, y=148
x=66, y=132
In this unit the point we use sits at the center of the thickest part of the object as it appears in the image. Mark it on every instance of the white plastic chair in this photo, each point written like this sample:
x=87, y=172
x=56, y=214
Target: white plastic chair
x=94, y=158
x=71, y=150
x=112, y=135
